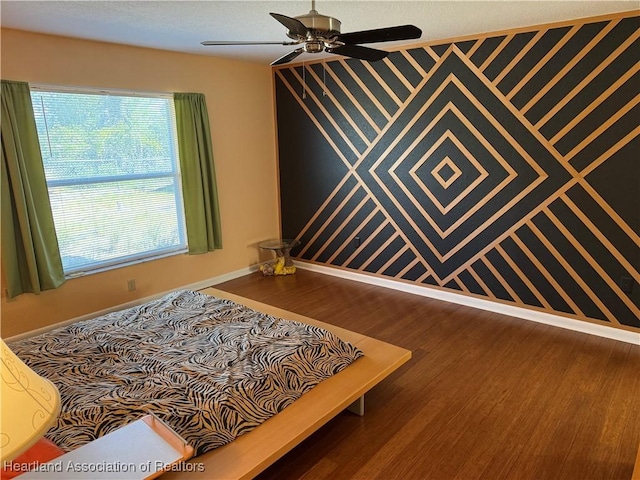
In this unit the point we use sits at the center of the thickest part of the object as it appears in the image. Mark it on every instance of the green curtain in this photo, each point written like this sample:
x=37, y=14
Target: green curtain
x=199, y=191
x=30, y=256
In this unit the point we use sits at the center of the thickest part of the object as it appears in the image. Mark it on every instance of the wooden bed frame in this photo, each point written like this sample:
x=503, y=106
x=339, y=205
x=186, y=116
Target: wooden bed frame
x=253, y=452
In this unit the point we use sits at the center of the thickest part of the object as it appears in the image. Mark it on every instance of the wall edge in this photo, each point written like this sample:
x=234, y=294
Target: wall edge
x=448, y=296
x=139, y=301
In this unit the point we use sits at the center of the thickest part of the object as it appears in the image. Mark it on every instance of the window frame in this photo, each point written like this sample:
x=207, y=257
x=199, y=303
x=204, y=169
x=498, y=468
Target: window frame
x=175, y=174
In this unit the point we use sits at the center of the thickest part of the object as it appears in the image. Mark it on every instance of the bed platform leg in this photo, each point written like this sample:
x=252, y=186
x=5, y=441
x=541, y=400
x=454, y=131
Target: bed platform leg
x=357, y=407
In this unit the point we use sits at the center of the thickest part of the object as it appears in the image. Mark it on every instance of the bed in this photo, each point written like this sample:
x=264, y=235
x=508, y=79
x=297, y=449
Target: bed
x=240, y=407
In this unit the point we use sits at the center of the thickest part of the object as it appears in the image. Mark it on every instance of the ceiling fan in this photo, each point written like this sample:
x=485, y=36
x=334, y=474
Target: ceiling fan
x=318, y=33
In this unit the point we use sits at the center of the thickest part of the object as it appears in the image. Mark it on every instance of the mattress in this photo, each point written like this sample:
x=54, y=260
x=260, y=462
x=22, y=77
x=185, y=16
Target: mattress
x=210, y=368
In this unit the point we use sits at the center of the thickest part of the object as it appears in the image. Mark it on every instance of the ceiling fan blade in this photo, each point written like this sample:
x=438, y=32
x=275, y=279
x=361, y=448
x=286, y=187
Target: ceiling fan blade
x=389, y=34
x=357, y=51
x=294, y=25
x=215, y=42
x=288, y=57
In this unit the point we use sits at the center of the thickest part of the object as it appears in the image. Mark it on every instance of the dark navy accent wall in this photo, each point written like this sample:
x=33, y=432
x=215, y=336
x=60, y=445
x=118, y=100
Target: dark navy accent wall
x=505, y=167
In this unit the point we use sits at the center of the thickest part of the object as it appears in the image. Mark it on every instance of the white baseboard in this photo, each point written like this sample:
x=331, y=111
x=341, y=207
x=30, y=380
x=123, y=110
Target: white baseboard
x=452, y=297
x=139, y=301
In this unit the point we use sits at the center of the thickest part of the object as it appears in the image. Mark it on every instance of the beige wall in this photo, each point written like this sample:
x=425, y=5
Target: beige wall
x=240, y=102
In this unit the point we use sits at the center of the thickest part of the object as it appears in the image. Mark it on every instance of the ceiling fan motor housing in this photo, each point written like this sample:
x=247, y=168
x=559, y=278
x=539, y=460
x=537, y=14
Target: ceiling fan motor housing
x=319, y=25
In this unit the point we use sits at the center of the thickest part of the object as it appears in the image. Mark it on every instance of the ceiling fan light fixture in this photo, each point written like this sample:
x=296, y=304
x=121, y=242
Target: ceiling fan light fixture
x=314, y=46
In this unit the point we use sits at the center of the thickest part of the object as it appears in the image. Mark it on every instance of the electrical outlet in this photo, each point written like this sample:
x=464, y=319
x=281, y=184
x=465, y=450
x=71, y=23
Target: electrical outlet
x=131, y=285
x=626, y=284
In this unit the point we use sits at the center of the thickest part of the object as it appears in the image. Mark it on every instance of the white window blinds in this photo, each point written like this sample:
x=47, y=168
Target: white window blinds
x=113, y=175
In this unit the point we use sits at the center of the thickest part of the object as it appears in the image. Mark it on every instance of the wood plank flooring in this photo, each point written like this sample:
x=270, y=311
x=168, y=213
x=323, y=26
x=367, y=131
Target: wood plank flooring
x=485, y=396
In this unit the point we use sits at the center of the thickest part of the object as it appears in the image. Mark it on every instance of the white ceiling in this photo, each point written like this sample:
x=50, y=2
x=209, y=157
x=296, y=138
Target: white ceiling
x=182, y=25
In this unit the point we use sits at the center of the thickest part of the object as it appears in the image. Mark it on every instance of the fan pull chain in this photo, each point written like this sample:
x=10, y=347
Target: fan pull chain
x=304, y=82
x=324, y=79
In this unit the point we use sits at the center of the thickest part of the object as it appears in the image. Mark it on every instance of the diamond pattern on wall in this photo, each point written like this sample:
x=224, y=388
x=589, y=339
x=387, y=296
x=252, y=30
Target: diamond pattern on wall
x=480, y=167
x=447, y=192
x=450, y=175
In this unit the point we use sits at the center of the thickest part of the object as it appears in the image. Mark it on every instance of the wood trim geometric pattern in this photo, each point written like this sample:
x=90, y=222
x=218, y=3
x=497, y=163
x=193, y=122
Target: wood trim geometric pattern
x=504, y=167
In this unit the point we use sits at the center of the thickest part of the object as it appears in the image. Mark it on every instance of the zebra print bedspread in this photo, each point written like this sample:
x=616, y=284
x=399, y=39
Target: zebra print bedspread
x=209, y=367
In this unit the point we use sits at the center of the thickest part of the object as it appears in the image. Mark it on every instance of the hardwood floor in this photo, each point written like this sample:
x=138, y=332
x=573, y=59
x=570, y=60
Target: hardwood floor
x=485, y=396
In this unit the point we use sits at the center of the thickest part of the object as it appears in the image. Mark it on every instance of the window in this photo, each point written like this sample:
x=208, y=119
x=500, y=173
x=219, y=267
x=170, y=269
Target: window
x=113, y=176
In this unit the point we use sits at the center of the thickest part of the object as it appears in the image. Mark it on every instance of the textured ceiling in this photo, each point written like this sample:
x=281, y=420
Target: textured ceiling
x=182, y=25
